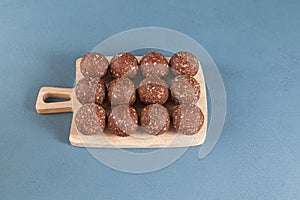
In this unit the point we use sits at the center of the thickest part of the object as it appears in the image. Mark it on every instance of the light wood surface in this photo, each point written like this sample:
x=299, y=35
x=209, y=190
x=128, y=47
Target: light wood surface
x=54, y=107
x=109, y=140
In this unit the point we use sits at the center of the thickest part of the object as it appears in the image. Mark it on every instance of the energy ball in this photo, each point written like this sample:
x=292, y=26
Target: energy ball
x=90, y=90
x=154, y=64
x=123, y=120
x=124, y=64
x=121, y=91
x=153, y=90
x=90, y=119
x=187, y=119
x=184, y=90
x=94, y=65
x=184, y=63
x=155, y=119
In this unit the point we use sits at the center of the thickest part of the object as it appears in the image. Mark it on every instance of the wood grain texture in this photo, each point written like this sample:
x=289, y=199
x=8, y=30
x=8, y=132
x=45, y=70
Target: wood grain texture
x=108, y=139
x=54, y=107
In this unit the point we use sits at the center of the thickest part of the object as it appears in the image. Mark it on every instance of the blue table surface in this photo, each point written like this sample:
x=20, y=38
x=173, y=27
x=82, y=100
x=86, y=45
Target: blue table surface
x=256, y=46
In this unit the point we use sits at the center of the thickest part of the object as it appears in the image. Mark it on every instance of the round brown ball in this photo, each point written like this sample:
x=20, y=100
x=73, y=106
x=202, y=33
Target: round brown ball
x=124, y=64
x=187, y=119
x=184, y=63
x=121, y=91
x=94, y=65
x=184, y=90
x=123, y=120
x=90, y=90
x=90, y=119
x=154, y=64
x=153, y=90
x=155, y=119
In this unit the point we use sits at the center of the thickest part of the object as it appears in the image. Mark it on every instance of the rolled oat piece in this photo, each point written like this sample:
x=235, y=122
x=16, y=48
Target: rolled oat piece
x=154, y=64
x=90, y=90
x=184, y=90
x=121, y=91
x=153, y=90
x=123, y=120
x=187, y=119
x=90, y=119
x=155, y=119
x=184, y=63
x=94, y=65
x=124, y=64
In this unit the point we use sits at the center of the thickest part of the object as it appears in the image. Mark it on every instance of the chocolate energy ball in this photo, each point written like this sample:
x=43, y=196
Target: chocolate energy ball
x=153, y=90
x=90, y=90
x=123, y=120
x=90, y=119
x=155, y=119
x=124, y=64
x=121, y=91
x=94, y=65
x=184, y=63
x=154, y=64
x=187, y=119
x=184, y=89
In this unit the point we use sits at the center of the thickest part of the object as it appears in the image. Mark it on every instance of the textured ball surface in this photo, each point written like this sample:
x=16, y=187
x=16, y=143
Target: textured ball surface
x=155, y=119
x=123, y=120
x=94, y=65
x=90, y=119
x=154, y=64
x=153, y=90
x=184, y=63
x=184, y=89
x=124, y=64
x=90, y=90
x=121, y=91
x=187, y=119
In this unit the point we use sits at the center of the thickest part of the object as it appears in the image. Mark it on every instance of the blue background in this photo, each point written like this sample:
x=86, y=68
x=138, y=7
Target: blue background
x=256, y=46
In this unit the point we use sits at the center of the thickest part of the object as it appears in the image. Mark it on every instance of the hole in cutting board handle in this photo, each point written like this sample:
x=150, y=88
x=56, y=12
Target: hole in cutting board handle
x=55, y=100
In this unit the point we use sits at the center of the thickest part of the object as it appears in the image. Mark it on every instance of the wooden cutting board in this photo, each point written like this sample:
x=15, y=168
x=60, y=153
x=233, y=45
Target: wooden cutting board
x=109, y=140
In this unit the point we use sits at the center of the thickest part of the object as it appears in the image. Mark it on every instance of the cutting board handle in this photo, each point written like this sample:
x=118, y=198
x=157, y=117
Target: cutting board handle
x=43, y=107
